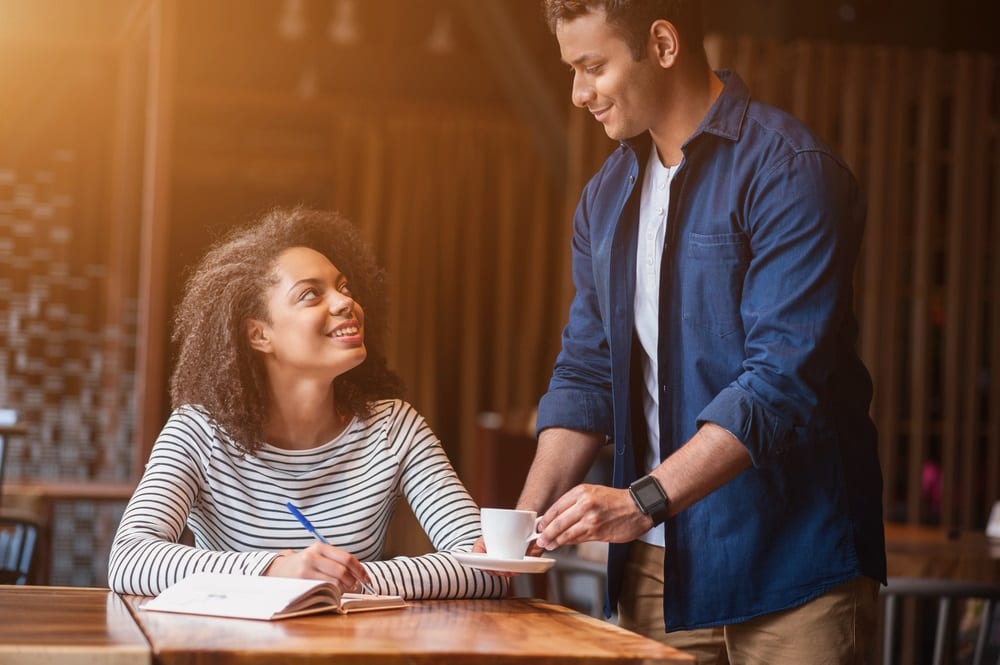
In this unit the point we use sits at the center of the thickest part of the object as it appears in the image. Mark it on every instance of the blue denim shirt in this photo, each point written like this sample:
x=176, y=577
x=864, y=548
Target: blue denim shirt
x=757, y=335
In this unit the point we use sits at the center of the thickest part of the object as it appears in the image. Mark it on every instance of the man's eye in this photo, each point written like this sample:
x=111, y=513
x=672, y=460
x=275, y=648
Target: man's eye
x=344, y=289
x=593, y=69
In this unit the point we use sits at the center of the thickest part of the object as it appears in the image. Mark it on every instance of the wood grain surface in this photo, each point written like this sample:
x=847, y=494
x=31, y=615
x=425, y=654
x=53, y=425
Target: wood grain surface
x=68, y=626
x=446, y=632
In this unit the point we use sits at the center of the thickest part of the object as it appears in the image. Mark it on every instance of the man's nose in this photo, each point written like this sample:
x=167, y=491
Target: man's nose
x=583, y=92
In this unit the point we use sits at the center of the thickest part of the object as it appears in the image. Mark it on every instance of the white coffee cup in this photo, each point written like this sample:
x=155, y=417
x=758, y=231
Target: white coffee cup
x=507, y=532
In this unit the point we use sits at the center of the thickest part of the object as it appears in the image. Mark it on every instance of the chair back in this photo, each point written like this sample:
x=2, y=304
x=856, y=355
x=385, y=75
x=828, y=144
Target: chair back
x=18, y=547
x=577, y=582
x=947, y=594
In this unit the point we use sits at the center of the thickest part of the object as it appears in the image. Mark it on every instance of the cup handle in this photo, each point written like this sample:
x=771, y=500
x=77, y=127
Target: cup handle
x=534, y=533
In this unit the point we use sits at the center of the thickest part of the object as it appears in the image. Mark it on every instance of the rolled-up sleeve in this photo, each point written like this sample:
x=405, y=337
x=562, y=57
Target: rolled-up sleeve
x=575, y=409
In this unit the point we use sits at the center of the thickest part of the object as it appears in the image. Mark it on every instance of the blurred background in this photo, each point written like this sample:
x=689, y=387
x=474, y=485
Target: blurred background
x=133, y=132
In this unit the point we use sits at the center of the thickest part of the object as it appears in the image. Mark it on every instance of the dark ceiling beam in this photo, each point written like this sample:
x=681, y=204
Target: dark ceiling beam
x=523, y=82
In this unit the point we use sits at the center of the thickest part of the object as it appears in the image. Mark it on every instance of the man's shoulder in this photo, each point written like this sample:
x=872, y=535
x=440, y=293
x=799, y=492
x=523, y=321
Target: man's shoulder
x=737, y=115
x=767, y=123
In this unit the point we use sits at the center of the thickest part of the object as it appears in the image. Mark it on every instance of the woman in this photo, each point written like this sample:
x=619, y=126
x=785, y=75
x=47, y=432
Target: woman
x=281, y=393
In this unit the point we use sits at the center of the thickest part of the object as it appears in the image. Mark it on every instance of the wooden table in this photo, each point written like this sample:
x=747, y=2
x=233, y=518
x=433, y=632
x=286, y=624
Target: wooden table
x=931, y=552
x=68, y=626
x=445, y=632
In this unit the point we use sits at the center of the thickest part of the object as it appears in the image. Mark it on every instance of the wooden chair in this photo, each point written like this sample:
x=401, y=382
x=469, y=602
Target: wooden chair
x=18, y=549
x=506, y=448
x=947, y=594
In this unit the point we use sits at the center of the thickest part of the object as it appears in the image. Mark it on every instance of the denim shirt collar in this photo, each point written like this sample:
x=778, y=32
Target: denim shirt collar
x=725, y=117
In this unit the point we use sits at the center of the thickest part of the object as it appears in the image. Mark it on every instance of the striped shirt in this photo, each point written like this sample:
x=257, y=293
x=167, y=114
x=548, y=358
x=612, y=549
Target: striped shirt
x=234, y=505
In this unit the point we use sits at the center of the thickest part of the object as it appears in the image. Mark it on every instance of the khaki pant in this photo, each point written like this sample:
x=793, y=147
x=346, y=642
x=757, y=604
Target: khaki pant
x=837, y=628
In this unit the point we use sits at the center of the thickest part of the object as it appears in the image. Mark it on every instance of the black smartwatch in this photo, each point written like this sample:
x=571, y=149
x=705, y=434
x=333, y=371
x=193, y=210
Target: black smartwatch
x=651, y=499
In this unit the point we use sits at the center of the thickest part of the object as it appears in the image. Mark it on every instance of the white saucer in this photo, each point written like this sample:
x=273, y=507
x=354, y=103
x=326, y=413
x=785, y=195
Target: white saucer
x=529, y=564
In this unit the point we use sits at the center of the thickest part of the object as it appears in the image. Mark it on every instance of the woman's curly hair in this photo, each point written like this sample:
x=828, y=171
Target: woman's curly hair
x=218, y=372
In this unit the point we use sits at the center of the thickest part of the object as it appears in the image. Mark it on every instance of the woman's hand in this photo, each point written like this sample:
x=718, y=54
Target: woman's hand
x=480, y=548
x=320, y=561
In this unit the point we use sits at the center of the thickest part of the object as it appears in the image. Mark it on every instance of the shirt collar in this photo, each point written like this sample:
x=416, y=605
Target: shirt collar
x=724, y=118
x=726, y=115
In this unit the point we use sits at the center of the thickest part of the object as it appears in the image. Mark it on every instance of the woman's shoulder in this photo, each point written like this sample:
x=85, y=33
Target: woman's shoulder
x=191, y=415
x=394, y=415
x=192, y=422
x=391, y=409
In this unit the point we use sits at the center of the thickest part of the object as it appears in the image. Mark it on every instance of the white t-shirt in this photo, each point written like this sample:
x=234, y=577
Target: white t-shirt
x=653, y=206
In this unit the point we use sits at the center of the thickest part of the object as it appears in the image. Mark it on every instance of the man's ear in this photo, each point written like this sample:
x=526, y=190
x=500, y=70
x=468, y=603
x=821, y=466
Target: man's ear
x=664, y=42
x=257, y=335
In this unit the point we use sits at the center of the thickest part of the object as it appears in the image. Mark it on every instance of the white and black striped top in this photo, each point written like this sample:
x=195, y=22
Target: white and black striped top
x=234, y=505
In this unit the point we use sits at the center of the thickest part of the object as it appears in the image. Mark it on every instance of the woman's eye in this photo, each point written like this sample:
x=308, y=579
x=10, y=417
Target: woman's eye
x=308, y=294
x=593, y=69
x=344, y=289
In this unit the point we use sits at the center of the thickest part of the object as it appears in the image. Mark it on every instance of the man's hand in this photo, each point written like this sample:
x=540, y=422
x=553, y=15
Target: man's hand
x=592, y=512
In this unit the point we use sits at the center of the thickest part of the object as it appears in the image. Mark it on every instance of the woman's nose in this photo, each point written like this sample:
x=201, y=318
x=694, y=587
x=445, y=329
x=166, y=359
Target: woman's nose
x=341, y=305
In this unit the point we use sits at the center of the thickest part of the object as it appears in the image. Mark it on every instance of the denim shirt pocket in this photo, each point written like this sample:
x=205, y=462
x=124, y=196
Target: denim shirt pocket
x=712, y=281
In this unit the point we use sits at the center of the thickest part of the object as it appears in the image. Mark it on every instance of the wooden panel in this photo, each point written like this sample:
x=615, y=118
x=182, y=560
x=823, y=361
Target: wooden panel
x=887, y=372
x=876, y=272
x=153, y=317
x=471, y=360
x=925, y=207
x=955, y=253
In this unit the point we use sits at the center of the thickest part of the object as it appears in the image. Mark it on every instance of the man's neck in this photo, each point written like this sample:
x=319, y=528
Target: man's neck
x=694, y=93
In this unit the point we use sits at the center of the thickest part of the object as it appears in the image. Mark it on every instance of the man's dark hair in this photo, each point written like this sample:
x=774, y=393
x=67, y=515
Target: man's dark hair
x=631, y=19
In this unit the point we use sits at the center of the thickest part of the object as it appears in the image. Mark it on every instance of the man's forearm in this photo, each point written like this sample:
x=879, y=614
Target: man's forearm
x=562, y=459
x=708, y=461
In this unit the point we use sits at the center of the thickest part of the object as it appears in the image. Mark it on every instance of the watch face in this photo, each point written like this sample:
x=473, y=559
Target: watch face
x=647, y=492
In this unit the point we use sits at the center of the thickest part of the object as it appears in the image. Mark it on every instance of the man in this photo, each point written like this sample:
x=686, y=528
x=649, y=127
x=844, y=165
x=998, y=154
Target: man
x=711, y=341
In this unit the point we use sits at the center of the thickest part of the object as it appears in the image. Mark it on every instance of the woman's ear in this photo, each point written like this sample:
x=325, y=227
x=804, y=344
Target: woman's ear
x=257, y=335
x=664, y=42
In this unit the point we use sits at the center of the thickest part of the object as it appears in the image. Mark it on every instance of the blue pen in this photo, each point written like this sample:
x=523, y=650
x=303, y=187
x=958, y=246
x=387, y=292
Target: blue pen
x=308, y=525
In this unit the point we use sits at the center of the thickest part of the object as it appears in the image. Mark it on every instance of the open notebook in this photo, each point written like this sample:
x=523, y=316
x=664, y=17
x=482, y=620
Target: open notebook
x=256, y=597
